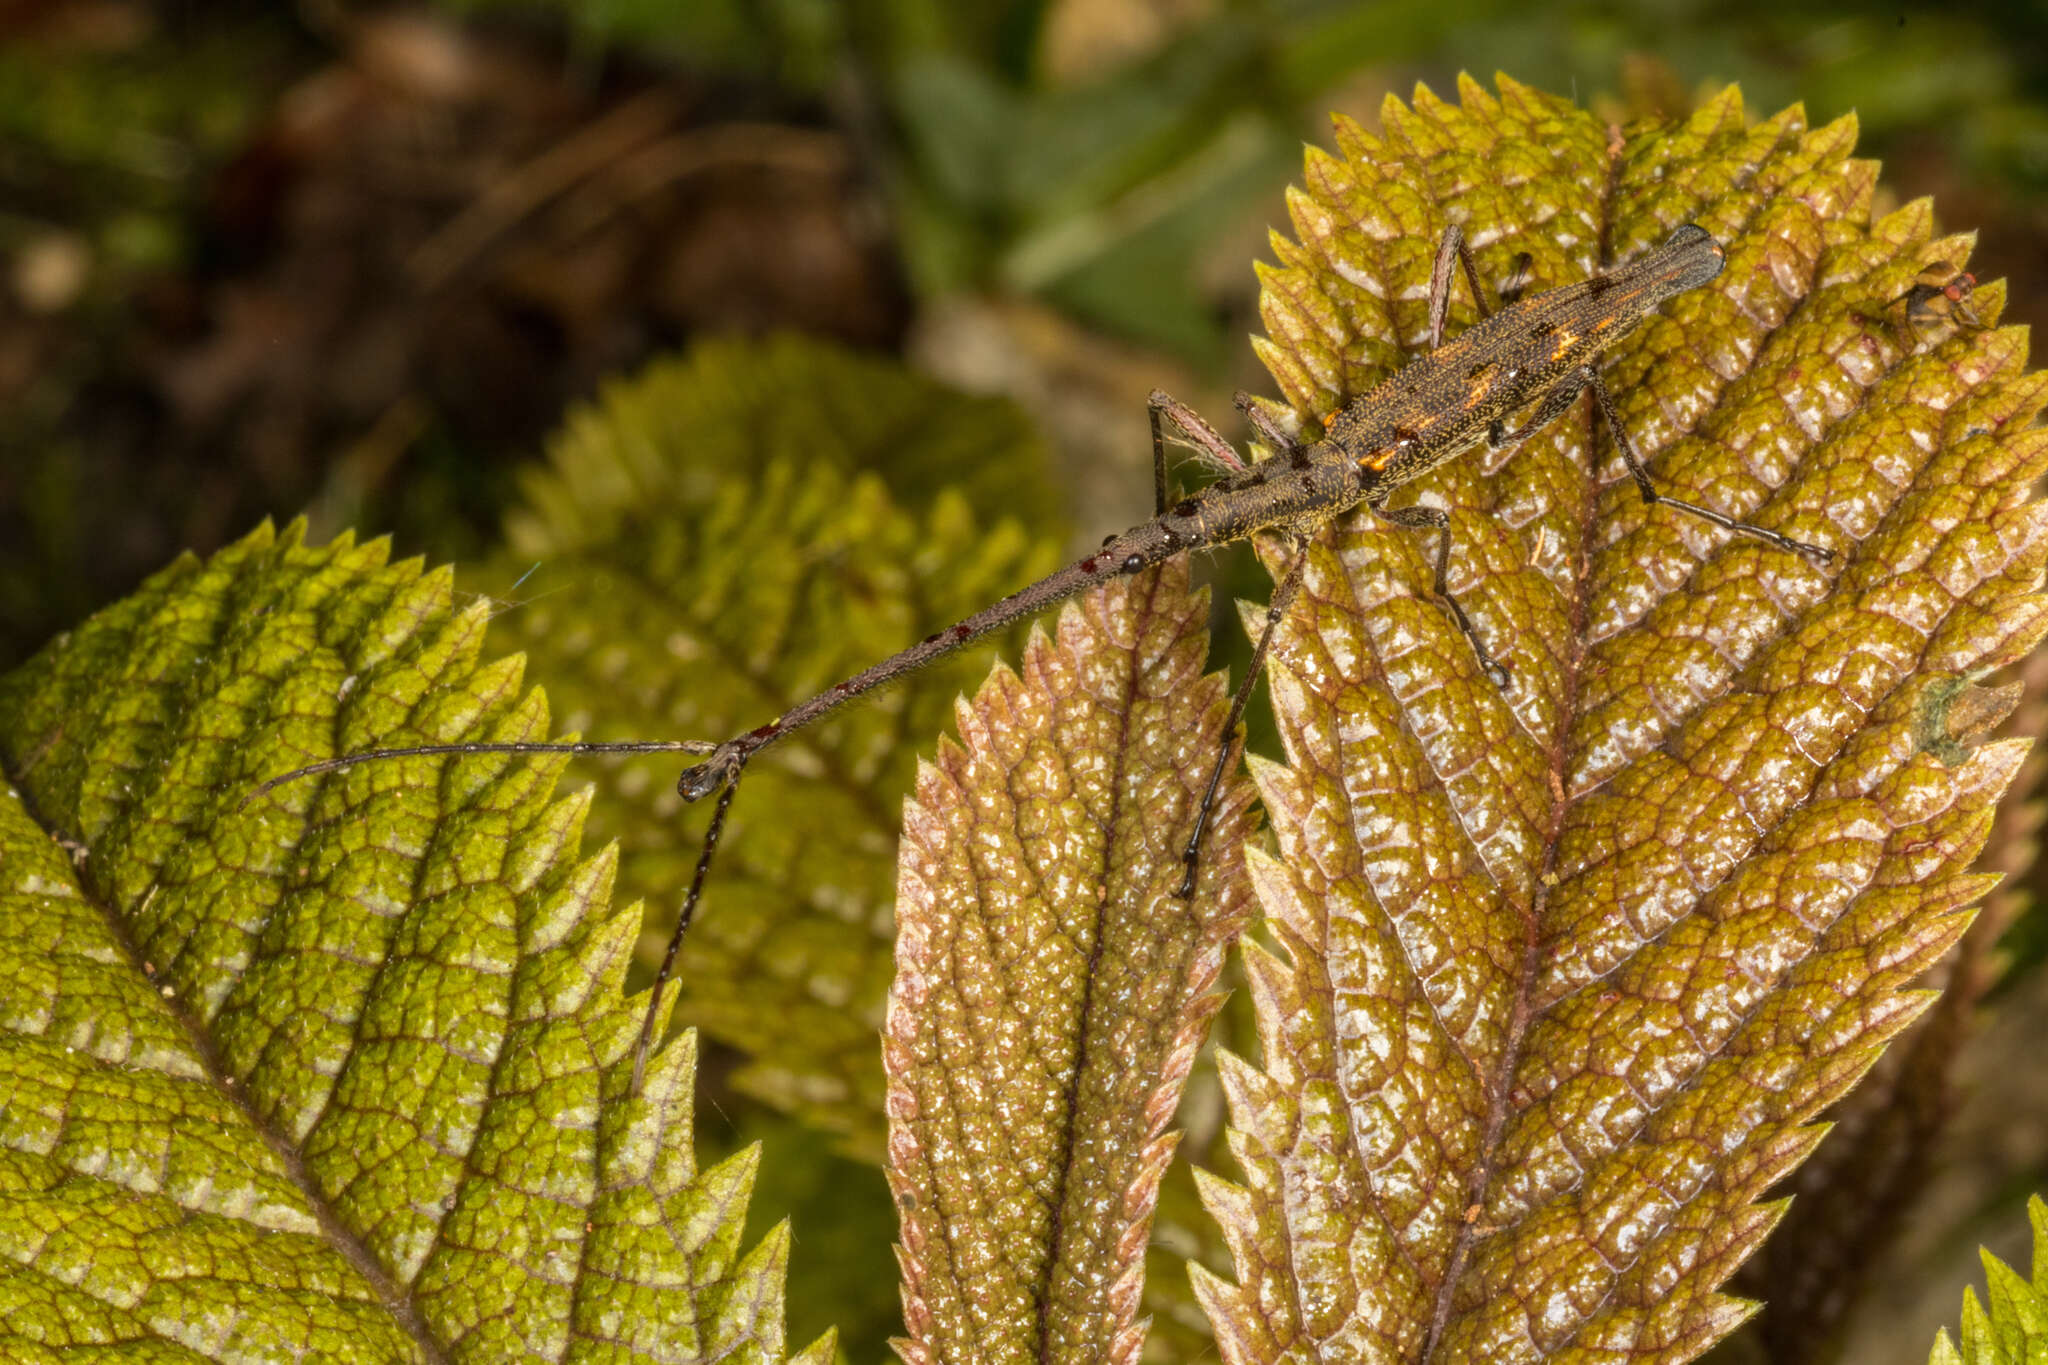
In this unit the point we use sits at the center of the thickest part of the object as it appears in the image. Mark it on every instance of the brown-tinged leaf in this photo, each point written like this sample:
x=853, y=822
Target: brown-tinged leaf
x=1051, y=989
x=1565, y=971
x=1852, y=1199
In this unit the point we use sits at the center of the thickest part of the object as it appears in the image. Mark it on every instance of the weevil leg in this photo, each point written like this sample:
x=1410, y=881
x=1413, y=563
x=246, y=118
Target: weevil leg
x=1436, y=519
x=1819, y=554
x=1440, y=282
x=1284, y=593
x=1451, y=251
x=1553, y=406
x=1282, y=444
x=1205, y=438
x=650, y=1022
x=1518, y=279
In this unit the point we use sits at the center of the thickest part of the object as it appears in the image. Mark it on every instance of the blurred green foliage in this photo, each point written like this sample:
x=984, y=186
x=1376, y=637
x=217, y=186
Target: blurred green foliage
x=105, y=148
x=110, y=144
x=2013, y=1329
x=1022, y=159
x=1036, y=145
x=1117, y=159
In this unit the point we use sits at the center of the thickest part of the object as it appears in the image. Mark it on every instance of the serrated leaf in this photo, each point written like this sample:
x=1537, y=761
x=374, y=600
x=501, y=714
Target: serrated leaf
x=667, y=434
x=1051, y=988
x=2014, y=1329
x=710, y=557
x=339, y=1074
x=1182, y=1233
x=1861, y=1189
x=1565, y=972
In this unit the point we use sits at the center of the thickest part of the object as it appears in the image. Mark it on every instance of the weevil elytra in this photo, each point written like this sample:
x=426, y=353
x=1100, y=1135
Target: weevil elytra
x=1542, y=350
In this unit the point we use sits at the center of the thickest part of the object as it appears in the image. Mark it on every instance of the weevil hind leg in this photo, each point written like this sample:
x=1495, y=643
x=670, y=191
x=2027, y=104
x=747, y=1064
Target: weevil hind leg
x=1601, y=399
x=1554, y=405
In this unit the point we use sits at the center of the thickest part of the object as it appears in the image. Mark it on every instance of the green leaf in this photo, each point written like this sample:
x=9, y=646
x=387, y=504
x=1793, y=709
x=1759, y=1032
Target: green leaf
x=711, y=554
x=1564, y=972
x=2015, y=1329
x=669, y=433
x=340, y=1073
x=1051, y=987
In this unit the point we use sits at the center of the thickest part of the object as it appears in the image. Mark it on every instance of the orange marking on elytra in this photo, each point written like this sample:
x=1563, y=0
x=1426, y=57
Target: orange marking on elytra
x=1630, y=297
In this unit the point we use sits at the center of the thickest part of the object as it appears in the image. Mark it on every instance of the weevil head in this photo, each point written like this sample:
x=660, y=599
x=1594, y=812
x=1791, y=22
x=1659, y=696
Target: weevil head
x=699, y=781
x=723, y=766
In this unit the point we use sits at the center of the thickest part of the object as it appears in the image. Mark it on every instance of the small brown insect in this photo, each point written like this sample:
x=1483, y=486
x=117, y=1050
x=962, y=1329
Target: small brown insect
x=1938, y=298
x=1472, y=1215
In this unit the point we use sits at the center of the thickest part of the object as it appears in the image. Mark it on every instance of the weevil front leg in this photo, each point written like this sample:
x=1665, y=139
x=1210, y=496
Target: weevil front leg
x=1421, y=518
x=1207, y=440
x=1284, y=592
x=1453, y=248
x=1449, y=251
x=1281, y=443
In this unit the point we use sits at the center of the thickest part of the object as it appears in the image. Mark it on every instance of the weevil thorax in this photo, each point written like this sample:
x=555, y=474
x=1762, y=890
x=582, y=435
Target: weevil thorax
x=1295, y=490
x=1444, y=401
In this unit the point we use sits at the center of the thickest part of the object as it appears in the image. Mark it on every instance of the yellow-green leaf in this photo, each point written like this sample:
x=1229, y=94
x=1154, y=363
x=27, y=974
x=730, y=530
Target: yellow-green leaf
x=713, y=549
x=340, y=1073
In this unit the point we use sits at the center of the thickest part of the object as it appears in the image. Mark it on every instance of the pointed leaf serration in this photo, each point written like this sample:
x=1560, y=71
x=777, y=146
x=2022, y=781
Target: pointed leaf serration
x=339, y=1073
x=1565, y=971
x=2013, y=1330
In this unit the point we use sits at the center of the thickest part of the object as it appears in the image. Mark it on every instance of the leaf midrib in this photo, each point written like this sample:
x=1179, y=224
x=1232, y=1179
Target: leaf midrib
x=335, y=1232
x=1108, y=864
x=1562, y=802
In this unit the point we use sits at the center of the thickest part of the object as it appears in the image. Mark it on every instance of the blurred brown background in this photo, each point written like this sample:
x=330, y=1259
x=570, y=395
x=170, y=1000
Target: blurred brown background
x=354, y=262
